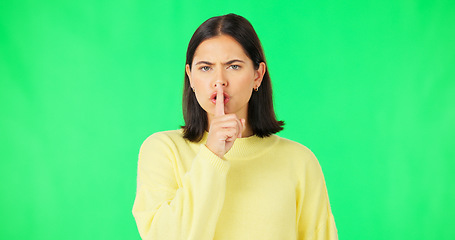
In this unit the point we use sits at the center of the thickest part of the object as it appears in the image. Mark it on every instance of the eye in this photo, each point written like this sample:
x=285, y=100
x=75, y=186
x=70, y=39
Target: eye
x=205, y=68
x=235, y=67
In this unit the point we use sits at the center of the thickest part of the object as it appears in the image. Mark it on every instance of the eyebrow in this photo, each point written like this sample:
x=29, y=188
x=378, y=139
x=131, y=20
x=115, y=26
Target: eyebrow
x=226, y=63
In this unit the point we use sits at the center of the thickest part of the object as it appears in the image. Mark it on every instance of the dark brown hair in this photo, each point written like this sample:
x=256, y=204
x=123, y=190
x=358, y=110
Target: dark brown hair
x=261, y=115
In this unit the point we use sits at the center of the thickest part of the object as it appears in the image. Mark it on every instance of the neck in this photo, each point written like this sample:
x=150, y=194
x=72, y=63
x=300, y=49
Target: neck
x=247, y=132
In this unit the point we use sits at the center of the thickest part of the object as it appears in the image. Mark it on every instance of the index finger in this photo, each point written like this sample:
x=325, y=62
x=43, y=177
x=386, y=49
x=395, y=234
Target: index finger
x=219, y=107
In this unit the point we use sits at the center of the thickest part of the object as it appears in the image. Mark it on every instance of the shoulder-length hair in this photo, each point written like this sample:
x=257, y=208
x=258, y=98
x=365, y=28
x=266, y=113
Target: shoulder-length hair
x=261, y=115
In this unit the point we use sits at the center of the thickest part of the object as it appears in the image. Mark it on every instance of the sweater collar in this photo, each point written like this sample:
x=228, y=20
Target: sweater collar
x=248, y=147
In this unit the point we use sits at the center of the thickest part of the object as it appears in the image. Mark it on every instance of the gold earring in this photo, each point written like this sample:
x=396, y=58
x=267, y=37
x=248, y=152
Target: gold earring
x=193, y=89
x=256, y=89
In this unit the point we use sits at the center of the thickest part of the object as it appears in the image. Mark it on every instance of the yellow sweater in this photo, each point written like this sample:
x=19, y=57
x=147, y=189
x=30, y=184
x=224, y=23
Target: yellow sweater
x=264, y=188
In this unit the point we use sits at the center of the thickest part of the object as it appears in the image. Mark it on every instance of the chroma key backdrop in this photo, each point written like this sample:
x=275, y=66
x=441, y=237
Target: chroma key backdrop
x=368, y=86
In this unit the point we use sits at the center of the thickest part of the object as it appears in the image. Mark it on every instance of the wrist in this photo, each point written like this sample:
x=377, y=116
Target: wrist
x=220, y=155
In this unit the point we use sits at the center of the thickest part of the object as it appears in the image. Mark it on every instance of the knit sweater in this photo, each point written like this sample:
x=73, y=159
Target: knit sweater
x=263, y=188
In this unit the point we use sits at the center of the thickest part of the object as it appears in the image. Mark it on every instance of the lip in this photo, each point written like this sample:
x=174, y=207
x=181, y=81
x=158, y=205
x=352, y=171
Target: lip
x=213, y=98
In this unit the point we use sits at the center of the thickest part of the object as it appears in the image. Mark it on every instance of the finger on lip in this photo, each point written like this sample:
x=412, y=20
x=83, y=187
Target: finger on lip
x=214, y=97
x=219, y=107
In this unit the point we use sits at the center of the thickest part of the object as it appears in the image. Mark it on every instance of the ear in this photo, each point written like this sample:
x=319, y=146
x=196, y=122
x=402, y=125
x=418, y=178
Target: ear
x=188, y=73
x=259, y=74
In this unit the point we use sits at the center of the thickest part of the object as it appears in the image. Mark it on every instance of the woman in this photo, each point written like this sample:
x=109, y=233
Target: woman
x=225, y=175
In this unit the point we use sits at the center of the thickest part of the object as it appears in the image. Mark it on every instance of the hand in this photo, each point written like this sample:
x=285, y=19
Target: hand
x=224, y=129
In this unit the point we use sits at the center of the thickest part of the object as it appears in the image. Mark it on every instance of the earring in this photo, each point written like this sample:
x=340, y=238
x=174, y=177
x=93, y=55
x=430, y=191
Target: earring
x=256, y=89
x=193, y=89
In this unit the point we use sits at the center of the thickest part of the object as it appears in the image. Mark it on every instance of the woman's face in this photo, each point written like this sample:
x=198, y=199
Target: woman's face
x=222, y=60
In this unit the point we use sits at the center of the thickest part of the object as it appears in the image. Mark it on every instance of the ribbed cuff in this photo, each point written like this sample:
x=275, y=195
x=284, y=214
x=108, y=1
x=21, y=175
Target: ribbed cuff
x=220, y=164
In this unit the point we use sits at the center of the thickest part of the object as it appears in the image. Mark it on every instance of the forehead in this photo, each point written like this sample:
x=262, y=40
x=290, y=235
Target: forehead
x=220, y=48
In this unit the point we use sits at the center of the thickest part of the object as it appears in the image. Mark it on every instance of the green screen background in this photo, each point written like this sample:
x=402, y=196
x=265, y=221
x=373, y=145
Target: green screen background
x=368, y=86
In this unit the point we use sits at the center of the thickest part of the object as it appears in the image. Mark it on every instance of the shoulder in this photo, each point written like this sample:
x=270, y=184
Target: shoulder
x=165, y=136
x=161, y=145
x=299, y=154
x=168, y=134
x=293, y=147
x=164, y=140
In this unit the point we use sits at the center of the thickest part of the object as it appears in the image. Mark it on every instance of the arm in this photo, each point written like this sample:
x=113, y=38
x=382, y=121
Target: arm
x=163, y=209
x=315, y=219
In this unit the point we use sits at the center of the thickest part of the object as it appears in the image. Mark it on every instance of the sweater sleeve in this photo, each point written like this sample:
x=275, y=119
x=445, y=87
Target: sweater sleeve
x=168, y=209
x=315, y=219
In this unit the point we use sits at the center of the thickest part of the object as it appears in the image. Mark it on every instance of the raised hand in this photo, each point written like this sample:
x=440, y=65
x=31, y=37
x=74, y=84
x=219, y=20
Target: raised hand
x=224, y=128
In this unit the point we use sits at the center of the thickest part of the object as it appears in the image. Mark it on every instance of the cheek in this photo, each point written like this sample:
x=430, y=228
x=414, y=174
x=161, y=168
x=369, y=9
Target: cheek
x=246, y=82
x=200, y=87
x=245, y=88
x=199, y=80
x=199, y=83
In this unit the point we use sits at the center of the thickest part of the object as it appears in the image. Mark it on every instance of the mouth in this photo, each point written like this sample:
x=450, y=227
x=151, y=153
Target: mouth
x=213, y=98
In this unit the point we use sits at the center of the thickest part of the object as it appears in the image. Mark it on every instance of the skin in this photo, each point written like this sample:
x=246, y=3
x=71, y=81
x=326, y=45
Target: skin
x=221, y=66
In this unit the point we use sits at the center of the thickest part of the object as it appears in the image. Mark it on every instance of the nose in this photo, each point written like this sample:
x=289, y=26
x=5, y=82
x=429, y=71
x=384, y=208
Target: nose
x=217, y=83
x=220, y=79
